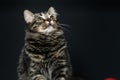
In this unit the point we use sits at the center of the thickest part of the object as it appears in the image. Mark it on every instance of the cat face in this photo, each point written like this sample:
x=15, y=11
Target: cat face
x=44, y=23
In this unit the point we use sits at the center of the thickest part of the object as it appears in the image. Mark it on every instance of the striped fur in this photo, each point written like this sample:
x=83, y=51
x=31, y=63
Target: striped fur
x=44, y=57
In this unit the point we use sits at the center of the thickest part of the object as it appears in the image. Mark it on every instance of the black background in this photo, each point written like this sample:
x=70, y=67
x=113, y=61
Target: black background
x=93, y=36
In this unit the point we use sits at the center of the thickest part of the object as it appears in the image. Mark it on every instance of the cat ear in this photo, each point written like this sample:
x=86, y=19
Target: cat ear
x=29, y=16
x=52, y=12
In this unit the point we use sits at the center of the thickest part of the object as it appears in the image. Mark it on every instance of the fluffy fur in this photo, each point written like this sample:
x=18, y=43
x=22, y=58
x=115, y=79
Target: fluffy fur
x=44, y=55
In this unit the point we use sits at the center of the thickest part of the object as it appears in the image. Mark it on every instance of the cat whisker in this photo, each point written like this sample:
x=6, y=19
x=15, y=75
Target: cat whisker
x=65, y=25
x=66, y=29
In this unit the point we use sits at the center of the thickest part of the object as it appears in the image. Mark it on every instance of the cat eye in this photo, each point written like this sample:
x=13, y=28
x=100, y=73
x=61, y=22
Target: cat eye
x=51, y=17
x=38, y=20
x=41, y=19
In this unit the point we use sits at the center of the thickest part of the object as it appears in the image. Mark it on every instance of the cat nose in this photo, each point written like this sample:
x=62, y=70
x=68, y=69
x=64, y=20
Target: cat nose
x=49, y=22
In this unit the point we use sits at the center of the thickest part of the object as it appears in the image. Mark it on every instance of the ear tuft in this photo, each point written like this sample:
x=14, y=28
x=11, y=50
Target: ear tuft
x=52, y=11
x=29, y=16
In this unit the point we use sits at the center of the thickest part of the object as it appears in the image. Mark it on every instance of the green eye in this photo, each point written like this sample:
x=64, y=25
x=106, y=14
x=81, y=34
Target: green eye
x=40, y=18
x=51, y=17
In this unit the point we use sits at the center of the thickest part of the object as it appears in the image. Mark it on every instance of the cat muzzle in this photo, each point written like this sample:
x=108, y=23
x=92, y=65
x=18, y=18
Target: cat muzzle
x=48, y=29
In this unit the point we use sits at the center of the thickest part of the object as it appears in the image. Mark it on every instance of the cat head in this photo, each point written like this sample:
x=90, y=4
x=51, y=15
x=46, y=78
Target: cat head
x=44, y=23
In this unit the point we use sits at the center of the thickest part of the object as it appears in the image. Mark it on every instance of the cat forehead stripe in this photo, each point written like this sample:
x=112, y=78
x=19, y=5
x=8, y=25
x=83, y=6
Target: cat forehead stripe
x=45, y=16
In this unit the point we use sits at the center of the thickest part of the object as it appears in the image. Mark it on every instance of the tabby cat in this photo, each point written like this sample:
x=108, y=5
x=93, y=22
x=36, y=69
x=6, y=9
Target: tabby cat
x=44, y=55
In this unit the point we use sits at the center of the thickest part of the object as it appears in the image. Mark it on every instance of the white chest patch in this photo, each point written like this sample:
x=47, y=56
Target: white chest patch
x=47, y=30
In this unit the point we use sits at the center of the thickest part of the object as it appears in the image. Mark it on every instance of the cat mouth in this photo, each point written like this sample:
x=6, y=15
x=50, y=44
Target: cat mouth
x=47, y=30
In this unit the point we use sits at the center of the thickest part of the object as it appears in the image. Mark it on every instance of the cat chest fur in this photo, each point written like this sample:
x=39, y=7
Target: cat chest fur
x=45, y=65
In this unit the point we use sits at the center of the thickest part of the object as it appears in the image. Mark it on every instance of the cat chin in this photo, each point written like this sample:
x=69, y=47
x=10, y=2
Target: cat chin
x=47, y=31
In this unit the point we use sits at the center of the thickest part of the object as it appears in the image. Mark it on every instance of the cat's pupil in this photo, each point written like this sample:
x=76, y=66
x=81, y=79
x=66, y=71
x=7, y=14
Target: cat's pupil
x=51, y=17
x=41, y=19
